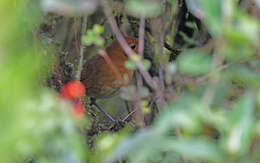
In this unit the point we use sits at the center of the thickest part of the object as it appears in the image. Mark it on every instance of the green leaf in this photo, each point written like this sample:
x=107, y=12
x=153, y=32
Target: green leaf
x=180, y=114
x=98, y=29
x=146, y=64
x=93, y=36
x=171, y=1
x=130, y=64
x=99, y=41
x=193, y=148
x=149, y=8
x=239, y=52
x=243, y=31
x=241, y=125
x=212, y=13
x=194, y=62
x=243, y=75
x=221, y=93
x=131, y=144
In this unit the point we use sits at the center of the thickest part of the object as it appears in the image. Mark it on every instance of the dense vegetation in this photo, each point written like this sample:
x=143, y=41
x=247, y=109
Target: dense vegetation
x=195, y=97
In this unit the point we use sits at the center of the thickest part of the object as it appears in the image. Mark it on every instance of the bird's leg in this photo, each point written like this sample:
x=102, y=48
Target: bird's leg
x=127, y=107
x=93, y=102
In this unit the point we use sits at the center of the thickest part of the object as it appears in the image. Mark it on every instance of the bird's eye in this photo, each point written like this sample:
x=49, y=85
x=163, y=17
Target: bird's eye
x=133, y=46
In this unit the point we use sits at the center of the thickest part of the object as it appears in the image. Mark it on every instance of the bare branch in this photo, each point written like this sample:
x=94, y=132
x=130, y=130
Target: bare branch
x=139, y=113
x=82, y=48
x=125, y=46
x=161, y=78
x=76, y=43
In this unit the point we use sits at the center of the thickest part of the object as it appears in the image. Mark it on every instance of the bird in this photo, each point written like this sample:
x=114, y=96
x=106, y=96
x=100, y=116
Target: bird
x=101, y=80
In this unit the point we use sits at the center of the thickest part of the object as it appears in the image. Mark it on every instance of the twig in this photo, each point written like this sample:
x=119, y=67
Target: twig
x=131, y=113
x=205, y=77
x=139, y=113
x=141, y=36
x=82, y=48
x=163, y=26
x=125, y=46
x=214, y=78
x=161, y=78
x=75, y=34
x=140, y=49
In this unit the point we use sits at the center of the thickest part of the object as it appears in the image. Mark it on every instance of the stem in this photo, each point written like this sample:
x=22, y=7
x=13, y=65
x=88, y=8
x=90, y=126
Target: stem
x=218, y=59
x=161, y=78
x=125, y=46
x=139, y=113
x=75, y=34
x=82, y=48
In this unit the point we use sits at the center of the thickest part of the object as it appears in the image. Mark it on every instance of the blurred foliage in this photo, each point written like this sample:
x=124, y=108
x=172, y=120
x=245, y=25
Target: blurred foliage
x=93, y=36
x=213, y=115
x=148, y=8
x=34, y=123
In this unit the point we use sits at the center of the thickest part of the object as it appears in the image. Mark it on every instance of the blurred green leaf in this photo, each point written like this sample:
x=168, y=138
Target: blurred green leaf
x=243, y=76
x=98, y=29
x=107, y=142
x=146, y=64
x=221, y=93
x=243, y=31
x=171, y=1
x=212, y=13
x=130, y=64
x=194, y=62
x=241, y=125
x=258, y=128
x=194, y=149
x=148, y=8
x=258, y=100
x=93, y=36
x=179, y=114
x=239, y=52
x=33, y=125
x=187, y=38
x=131, y=144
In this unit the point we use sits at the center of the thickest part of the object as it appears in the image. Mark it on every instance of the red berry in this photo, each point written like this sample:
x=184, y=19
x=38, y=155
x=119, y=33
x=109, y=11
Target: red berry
x=73, y=89
x=78, y=110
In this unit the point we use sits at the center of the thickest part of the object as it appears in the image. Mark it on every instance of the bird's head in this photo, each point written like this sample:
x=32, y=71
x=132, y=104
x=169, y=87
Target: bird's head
x=133, y=43
x=115, y=49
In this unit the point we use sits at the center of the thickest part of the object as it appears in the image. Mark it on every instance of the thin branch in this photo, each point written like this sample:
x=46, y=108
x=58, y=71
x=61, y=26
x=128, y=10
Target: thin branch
x=75, y=35
x=130, y=114
x=125, y=46
x=205, y=77
x=163, y=27
x=82, y=48
x=139, y=113
x=218, y=58
x=141, y=36
x=140, y=49
x=161, y=78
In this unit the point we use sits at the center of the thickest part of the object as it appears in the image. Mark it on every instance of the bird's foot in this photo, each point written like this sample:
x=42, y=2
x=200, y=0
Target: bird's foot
x=117, y=125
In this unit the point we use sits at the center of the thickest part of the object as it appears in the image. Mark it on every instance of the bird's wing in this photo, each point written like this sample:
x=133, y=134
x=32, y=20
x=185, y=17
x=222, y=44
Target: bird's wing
x=91, y=70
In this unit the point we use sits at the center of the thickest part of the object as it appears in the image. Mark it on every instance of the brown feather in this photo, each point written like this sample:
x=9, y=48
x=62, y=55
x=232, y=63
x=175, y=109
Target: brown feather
x=97, y=76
